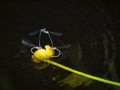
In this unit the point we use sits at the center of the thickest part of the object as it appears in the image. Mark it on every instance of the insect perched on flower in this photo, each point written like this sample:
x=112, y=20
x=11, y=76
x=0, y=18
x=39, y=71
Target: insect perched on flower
x=39, y=53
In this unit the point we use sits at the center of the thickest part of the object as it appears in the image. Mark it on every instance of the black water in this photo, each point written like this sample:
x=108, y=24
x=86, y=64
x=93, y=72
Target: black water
x=93, y=25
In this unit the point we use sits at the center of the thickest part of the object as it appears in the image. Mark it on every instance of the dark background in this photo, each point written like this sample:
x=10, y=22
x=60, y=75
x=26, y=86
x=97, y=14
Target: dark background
x=15, y=15
x=28, y=16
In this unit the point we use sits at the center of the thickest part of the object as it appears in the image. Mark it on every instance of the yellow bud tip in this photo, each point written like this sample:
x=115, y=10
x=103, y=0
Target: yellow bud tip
x=43, y=54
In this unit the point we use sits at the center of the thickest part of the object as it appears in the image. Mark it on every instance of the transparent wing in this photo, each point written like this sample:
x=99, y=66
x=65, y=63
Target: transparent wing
x=56, y=33
x=64, y=46
x=34, y=33
x=45, y=31
x=27, y=43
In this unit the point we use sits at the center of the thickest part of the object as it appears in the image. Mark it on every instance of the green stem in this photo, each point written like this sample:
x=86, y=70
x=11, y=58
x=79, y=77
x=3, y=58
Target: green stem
x=83, y=74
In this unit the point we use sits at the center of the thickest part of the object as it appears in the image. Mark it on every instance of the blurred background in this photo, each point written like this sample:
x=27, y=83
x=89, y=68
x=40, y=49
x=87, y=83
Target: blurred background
x=91, y=28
